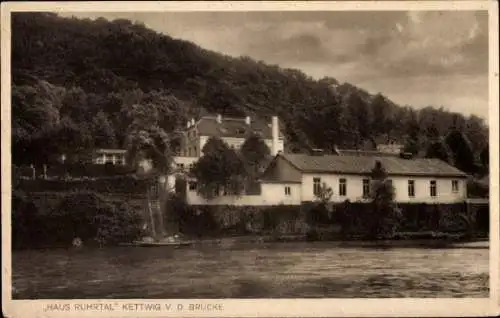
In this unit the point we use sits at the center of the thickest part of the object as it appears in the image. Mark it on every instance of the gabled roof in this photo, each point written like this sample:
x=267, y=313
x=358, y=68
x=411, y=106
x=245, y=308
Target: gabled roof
x=273, y=174
x=233, y=127
x=364, y=164
x=366, y=153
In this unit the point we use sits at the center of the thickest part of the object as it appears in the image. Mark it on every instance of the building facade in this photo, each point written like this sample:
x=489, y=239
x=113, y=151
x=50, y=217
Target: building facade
x=232, y=131
x=109, y=156
x=292, y=179
x=414, y=180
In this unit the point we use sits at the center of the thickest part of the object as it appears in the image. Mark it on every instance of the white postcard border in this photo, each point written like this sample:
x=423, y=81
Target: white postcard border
x=430, y=307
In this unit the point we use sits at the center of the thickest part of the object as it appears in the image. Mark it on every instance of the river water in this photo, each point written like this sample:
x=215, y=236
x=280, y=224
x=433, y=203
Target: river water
x=271, y=270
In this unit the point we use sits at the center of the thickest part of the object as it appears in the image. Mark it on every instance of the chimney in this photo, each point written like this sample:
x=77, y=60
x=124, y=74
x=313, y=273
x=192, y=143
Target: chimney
x=275, y=134
x=247, y=120
x=188, y=124
x=219, y=118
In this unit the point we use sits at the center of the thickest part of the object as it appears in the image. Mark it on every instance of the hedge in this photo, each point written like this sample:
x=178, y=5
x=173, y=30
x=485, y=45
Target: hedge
x=119, y=184
x=46, y=220
x=344, y=220
x=90, y=216
x=76, y=170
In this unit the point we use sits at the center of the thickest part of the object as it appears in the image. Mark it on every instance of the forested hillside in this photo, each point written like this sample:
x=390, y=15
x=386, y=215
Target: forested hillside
x=81, y=83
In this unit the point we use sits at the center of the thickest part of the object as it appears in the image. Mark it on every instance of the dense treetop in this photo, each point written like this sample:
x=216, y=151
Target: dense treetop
x=77, y=84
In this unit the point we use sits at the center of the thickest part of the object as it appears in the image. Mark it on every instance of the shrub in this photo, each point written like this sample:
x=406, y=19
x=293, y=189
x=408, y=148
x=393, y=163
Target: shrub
x=87, y=215
x=24, y=219
x=476, y=189
x=119, y=184
x=119, y=223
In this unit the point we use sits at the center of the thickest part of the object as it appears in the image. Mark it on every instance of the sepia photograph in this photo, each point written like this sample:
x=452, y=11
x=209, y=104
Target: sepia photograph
x=258, y=154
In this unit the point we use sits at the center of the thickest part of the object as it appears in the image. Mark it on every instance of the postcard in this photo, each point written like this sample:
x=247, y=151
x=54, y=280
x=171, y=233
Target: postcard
x=250, y=159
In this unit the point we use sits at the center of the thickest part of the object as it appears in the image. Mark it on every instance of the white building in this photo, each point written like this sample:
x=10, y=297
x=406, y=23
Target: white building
x=108, y=156
x=414, y=180
x=291, y=179
x=233, y=131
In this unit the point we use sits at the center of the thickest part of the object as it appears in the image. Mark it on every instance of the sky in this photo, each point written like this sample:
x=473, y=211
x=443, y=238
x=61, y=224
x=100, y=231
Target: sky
x=416, y=58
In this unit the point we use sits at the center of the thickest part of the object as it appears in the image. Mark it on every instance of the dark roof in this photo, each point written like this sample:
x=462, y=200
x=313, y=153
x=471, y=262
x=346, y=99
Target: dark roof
x=233, y=127
x=271, y=174
x=364, y=164
x=366, y=153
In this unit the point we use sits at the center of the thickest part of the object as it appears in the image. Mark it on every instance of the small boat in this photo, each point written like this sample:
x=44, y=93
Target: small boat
x=149, y=242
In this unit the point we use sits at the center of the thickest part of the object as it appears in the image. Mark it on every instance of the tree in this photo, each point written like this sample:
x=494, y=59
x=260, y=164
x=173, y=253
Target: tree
x=461, y=150
x=476, y=132
x=350, y=138
x=103, y=131
x=324, y=194
x=386, y=216
x=72, y=139
x=254, y=152
x=362, y=113
x=432, y=132
x=439, y=150
x=382, y=114
x=35, y=114
x=413, y=131
x=67, y=67
x=485, y=157
x=146, y=140
x=219, y=170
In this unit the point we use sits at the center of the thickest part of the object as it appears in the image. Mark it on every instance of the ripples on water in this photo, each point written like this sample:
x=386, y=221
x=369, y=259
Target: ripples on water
x=290, y=270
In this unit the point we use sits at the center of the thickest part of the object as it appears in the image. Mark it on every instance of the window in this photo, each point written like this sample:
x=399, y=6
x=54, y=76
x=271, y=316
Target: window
x=411, y=188
x=288, y=191
x=192, y=185
x=366, y=188
x=342, y=187
x=454, y=186
x=433, y=188
x=154, y=189
x=316, y=186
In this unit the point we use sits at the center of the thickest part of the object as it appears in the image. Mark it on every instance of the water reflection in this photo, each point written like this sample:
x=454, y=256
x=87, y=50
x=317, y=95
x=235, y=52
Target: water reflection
x=245, y=271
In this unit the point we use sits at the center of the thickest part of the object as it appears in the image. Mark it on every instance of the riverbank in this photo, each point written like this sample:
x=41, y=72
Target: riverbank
x=476, y=243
